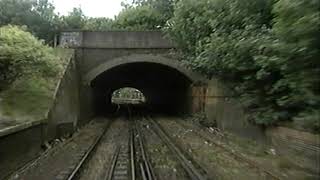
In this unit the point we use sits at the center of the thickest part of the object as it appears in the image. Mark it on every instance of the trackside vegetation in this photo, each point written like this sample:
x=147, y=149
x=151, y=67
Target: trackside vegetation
x=267, y=50
x=30, y=71
x=23, y=54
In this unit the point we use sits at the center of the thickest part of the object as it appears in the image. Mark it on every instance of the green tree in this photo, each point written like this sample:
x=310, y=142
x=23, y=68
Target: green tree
x=99, y=24
x=267, y=51
x=16, y=11
x=194, y=21
x=46, y=23
x=138, y=18
x=37, y=15
x=297, y=25
x=22, y=54
x=165, y=8
x=74, y=20
x=230, y=39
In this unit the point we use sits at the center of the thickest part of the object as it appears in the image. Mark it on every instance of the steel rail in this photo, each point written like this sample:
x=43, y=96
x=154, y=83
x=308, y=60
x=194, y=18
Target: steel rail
x=84, y=158
x=132, y=147
x=234, y=154
x=132, y=155
x=193, y=172
x=113, y=166
x=147, y=170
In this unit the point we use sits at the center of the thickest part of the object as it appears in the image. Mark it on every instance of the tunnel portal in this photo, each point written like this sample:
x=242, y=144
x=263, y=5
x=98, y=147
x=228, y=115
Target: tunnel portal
x=103, y=62
x=165, y=88
x=145, y=60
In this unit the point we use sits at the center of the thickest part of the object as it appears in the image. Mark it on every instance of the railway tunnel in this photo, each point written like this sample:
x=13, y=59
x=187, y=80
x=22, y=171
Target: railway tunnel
x=145, y=60
x=165, y=88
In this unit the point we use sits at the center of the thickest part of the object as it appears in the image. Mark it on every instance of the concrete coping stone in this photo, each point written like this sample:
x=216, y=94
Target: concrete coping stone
x=19, y=127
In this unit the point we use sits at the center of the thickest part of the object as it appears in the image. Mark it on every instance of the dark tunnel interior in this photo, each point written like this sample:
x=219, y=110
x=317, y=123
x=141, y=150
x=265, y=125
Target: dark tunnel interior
x=165, y=88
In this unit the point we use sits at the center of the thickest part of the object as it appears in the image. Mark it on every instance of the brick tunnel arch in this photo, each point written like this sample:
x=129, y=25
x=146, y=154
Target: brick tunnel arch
x=164, y=82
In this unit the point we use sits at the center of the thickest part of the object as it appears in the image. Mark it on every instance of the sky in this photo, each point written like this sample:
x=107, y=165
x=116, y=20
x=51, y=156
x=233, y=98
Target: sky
x=91, y=8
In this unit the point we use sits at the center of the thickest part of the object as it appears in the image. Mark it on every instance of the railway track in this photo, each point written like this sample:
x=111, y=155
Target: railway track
x=120, y=167
x=270, y=175
x=83, y=156
x=133, y=162
x=130, y=159
x=142, y=159
x=191, y=168
x=64, y=160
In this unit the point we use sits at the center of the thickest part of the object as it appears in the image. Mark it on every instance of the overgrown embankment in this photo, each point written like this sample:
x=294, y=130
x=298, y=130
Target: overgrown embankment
x=266, y=50
x=30, y=72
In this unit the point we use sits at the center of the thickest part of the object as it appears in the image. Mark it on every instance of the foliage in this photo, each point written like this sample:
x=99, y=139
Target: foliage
x=99, y=24
x=194, y=21
x=37, y=15
x=138, y=18
x=274, y=68
x=16, y=100
x=16, y=11
x=75, y=20
x=164, y=7
x=41, y=20
x=21, y=53
x=297, y=25
x=30, y=97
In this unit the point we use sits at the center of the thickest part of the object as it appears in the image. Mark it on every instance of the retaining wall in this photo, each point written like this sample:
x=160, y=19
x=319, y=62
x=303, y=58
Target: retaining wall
x=226, y=110
x=64, y=112
x=20, y=144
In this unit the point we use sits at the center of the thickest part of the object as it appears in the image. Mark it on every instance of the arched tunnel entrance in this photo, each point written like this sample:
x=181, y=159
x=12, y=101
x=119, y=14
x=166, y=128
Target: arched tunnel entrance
x=165, y=88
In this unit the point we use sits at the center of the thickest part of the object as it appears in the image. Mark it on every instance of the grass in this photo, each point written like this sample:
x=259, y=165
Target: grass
x=27, y=99
x=30, y=97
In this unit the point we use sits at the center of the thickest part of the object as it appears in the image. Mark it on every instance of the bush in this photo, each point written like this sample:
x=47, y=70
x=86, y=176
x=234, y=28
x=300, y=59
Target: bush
x=267, y=51
x=139, y=18
x=22, y=54
x=297, y=25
